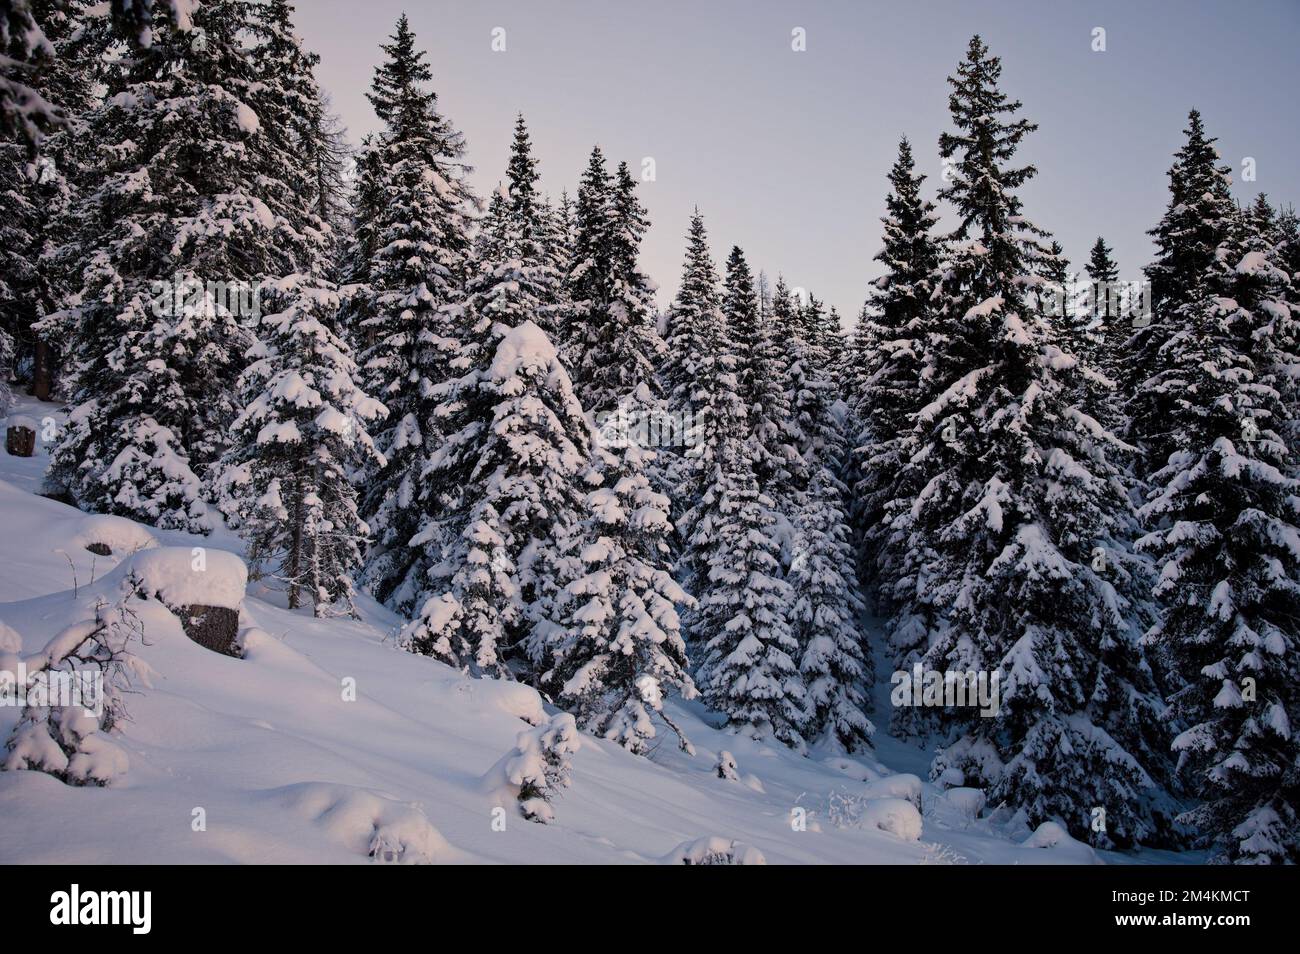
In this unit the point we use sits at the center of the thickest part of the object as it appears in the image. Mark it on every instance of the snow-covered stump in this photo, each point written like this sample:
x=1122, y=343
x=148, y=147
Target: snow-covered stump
x=202, y=587
x=212, y=627
x=20, y=437
x=106, y=535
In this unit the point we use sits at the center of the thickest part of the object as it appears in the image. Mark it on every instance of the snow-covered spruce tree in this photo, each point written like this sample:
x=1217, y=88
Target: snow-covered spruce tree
x=748, y=669
x=825, y=615
x=826, y=607
x=505, y=489
x=836, y=344
x=732, y=562
x=618, y=342
x=1226, y=520
x=25, y=113
x=613, y=637
x=809, y=392
x=501, y=495
x=687, y=327
x=588, y=285
x=358, y=250
x=1275, y=234
x=309, y=150
x=1103, y=274
x=173, y=235
x=884, y=380
x=1187, y=237
x=537, y=769
x=616, y=649
x=303, y=432
x=1061, y=299
x=1009, y=537
x=823, y=604
x=533, y=233
x=693, y=321
x=759, y=383
x=415, y=282
x=71, y=742
x=35, y=195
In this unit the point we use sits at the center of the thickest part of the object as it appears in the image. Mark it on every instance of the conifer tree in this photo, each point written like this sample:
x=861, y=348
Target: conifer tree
x=825, y=612
x=36, y=195
x=1187, y=237
x=885, y=381
x=748, y=655
x=506, y=488
x=502, y=494
x=694, y=321
x=414, y=285
x=611, y=341
x=174, y=236
x=759, y=381
x=1225, y=519
x=1012, y=563
x=618, y=650
x=1104, y=273
x=357, y=255
x=748, y=668
x=300, y=435
x=535, y=237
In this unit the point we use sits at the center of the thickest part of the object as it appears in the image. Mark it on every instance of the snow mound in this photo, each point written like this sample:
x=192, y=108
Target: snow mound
x=197, y=576
x=712, y=850
x=10, y=641
x=951, y=777
x=512, y=698
x=1055, y=839
x=368, y=823
x=967, y=802
x=525, y=345
x=852, y=768
x=897, y=816
x=116, y=534
x=904, y=785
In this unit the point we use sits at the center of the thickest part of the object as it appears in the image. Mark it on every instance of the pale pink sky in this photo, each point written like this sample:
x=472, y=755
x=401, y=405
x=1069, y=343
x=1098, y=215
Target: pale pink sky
x=786, y=152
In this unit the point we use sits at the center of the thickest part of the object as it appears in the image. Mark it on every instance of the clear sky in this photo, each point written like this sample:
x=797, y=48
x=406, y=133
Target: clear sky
x=786, y=152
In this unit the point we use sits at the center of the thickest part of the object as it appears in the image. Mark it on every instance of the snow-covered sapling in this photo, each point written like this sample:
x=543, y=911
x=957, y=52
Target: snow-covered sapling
x=73, y=693
x=726, y=767
x=539, y=766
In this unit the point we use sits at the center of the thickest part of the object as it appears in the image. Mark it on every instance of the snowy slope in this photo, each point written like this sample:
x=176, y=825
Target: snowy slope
x=285, y=770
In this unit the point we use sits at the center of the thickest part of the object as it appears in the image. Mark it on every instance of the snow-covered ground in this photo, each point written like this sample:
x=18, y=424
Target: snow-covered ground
x=285, y=770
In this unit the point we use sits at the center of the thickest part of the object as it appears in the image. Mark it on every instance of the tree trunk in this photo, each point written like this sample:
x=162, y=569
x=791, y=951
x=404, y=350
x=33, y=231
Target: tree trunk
x=295, y=550
x=42, y=373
